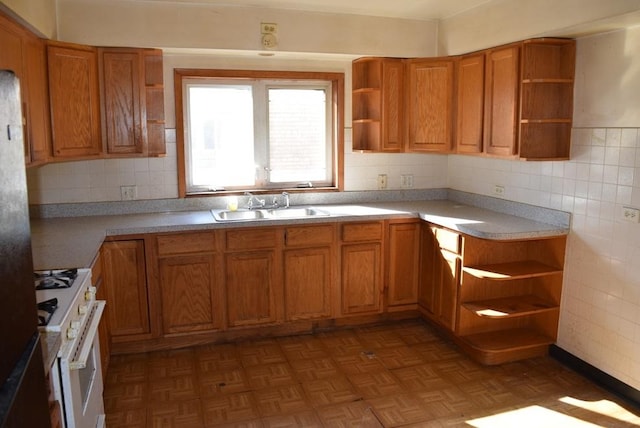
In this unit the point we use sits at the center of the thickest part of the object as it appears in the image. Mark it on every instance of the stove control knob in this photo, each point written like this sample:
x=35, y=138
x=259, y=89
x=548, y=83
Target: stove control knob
x=72, y=333
x=90, y=294
x=82, y=309
x=75, y=324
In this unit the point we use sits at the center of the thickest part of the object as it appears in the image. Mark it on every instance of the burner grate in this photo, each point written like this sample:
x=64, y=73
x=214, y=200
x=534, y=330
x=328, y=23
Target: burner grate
x=46, y=310
x=51, y=280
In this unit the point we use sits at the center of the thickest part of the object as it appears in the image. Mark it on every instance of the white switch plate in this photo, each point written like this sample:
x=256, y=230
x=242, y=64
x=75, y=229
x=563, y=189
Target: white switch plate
x=498, y=190
x=382, y=181
x=128, y=193
x=406, y=181
x=632, y=215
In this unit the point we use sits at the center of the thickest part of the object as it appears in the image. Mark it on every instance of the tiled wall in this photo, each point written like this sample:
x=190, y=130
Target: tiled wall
x=156, y=178
x=600, y=318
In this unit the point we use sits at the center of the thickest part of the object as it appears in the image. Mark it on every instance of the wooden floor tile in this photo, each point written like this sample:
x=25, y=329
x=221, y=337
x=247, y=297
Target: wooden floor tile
x=414, y=332
x=303, y=347
x=361, y=362
x=446, y=402
x=399, y=356
x=460, y=370
x=175, y=388
x=281, y=400
x=357, y=414
x=133, y=418
x=122, y=396
x=376, y=384
x=181, y=414
x=124, y=371
x=217, y=358
x=229, y=408
x=420, y=378
x=175, y=363
x=341, y=342
x=315, y=368
x=265, y=352
x=307, y=419
x=223, y=382
x=398, y=410
x=268, y=375
x=379, y=337
x=327, y=391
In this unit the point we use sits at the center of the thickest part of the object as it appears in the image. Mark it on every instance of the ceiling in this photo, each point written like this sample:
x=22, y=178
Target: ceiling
x=409, y=9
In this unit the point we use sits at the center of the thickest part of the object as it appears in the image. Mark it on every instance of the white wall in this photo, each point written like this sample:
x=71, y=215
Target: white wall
x=600, y=311
x=40, y=15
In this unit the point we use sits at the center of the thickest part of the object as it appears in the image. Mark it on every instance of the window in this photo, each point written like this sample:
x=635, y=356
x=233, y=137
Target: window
x=258, y=130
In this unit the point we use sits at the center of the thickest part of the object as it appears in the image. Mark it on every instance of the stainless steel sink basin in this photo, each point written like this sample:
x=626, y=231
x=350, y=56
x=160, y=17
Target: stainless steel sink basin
x=296, y=212
x=269, y=214
x=240, y=215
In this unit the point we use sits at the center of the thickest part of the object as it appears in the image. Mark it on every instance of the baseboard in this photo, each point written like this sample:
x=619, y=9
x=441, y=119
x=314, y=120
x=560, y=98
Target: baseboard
x=606, y=381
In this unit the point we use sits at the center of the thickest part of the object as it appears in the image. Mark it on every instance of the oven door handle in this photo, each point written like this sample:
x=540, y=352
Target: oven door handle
x=82, y=354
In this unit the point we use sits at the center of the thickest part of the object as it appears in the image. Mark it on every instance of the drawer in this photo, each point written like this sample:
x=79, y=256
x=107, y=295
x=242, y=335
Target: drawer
x=252, y=239
x=309, y=235
x=201, y=242
x=354, y=232
x=448, y=240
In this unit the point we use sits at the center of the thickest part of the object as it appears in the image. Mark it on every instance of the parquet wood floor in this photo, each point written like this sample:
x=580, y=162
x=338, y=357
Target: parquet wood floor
x=399, y=374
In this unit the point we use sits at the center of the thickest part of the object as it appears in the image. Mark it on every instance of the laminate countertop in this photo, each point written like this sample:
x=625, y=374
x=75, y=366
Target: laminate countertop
x=73, y=242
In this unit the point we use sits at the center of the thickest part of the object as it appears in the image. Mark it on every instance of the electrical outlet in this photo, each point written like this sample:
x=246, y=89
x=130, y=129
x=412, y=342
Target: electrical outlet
x=498, y=190
x=382, y=181
x=268, y=28
x=128, y=193
x=632, y=215
x=406, y=181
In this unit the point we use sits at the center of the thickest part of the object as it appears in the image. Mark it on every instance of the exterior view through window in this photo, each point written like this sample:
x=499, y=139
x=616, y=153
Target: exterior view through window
x=251, y=134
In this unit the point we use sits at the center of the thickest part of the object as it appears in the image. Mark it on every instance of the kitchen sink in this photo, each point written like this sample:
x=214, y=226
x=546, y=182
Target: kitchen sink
x=240, y=215
x=268, y=214
x=296, y=212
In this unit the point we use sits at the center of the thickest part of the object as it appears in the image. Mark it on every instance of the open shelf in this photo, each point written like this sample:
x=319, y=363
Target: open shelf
x=512, y=270
x=508, y=307
x=498, y=347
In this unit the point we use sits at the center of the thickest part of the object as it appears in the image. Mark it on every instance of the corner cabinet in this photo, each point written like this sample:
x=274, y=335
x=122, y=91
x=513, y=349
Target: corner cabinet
x=75, y=100
x=403, y=264
x=377, y=104
x=509, y=301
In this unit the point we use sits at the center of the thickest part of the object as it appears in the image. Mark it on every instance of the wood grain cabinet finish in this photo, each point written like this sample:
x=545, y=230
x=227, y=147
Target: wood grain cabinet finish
x=126, y=290
x=378, y=104
x=403, y=263
x=309, y=260
x=362, y=268
x=430, y=93
x=132, y=101
x=470, y=104
x=189, y=267
x=75, y=100
x=252, y=277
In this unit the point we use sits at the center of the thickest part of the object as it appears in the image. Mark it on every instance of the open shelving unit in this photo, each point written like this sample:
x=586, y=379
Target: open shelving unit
x=546, y=101
x=509, y=298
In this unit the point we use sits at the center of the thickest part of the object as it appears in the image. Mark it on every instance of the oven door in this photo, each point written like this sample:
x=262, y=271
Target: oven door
x=81, y=376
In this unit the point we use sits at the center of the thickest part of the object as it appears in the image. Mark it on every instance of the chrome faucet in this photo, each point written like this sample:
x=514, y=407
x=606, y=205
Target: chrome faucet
x=285, y=196
x=253, y=201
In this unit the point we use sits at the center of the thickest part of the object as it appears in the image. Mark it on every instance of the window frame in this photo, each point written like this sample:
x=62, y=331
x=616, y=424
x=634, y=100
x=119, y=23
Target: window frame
x=242, y=76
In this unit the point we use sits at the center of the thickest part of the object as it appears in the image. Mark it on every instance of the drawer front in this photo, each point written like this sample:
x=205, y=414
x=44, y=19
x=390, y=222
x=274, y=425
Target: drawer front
x=309, y=235
x=201, y=242
x=448, y=240
x=252, y=239
x=355, y=232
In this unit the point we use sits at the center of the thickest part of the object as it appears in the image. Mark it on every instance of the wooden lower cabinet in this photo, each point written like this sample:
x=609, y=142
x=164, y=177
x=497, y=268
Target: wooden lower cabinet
x=126, y=289
x=403, y=263
x=308, y=271
x=362, y=268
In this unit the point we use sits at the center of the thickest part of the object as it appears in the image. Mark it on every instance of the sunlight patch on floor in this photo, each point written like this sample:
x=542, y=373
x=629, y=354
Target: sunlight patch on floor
x=531, y=416
x=604, y=407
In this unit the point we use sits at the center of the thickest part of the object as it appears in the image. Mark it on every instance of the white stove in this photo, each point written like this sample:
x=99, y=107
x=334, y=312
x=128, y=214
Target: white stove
x=73, y=311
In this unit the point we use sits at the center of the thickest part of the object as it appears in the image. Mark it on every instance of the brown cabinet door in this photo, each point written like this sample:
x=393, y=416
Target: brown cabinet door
x=37, y=100
x=403, y=263
x=429, y=270
x=126, y=289
x=392, y=119
x=250, y=279
x=307, y=283
x=449, y=275
x=470, y=117
x=74, y=95
x=362, y=278
x=122, y=83
x=190, y=293
x=502, y=84
x=430, y=104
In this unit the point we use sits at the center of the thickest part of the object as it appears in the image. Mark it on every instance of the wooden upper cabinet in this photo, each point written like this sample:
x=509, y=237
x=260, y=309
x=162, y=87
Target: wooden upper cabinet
x=132, y=101
x=470, y=104
x=75, y=100
x=122, y=83
x=38, y=109
x=430, y=105
x=502, y=83
x=378, y=100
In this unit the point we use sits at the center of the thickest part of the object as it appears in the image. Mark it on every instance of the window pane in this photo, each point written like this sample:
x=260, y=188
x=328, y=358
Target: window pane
x=221, y=136
x=297, y=135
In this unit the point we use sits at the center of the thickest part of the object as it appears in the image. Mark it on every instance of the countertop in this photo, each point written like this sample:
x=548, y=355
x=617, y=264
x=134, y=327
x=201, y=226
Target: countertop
x=70, y=242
